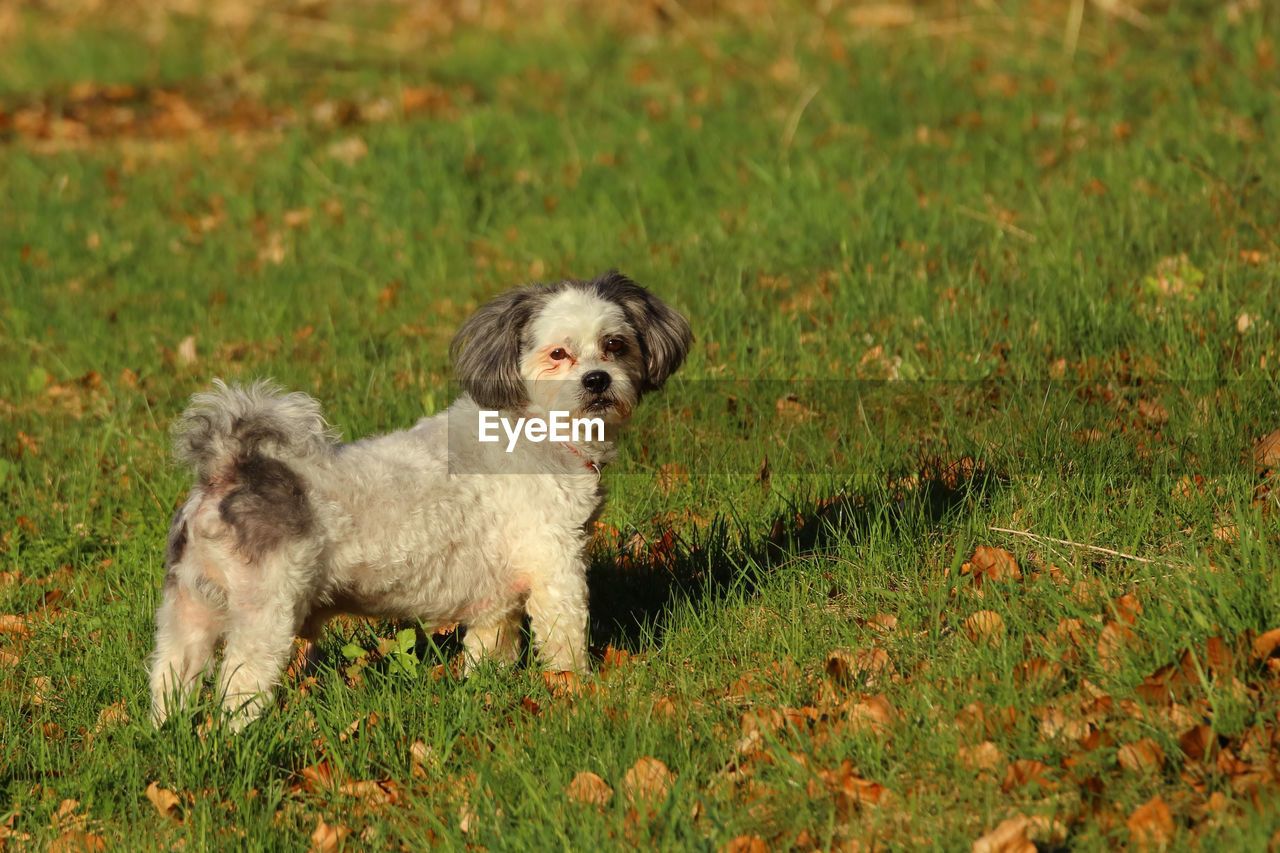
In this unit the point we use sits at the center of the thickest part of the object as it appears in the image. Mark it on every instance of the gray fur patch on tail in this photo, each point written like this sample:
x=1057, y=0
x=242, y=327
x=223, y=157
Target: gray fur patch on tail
x=233, y=423
x=267, y=506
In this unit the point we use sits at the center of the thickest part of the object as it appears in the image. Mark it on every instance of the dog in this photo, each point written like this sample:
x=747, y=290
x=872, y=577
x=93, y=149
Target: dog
x=285, y=527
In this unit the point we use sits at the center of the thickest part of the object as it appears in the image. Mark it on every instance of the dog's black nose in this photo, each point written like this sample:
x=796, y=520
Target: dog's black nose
x=597, y=381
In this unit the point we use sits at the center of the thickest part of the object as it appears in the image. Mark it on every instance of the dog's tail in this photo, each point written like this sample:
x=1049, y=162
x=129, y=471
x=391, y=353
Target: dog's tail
x=230, y=424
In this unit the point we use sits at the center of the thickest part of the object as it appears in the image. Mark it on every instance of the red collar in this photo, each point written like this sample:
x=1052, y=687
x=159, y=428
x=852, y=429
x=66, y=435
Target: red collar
x=587, y=463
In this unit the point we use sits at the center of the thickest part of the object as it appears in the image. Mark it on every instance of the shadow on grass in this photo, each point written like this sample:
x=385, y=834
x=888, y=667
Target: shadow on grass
x=635, y=587
x=635, y=590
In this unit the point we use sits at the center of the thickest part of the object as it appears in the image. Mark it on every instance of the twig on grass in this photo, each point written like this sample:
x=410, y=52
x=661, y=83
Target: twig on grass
x=1096, y=548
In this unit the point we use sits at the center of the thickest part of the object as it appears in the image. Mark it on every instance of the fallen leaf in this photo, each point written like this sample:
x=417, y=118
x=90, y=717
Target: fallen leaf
x=77, y=841
x=111, y=717
x=985, y=625
x=1143, y=756
x=648, y=779
x=165, y=801
x=982, y=756
x=874, y=714
x=590, y=789
x=1151, y=824
x=13, y=624
x=1009, y=836
x=318, y=777
x=847, y=667
x=1266, y=453
x=1113, y=640
x=1023, y=772
x=372, y=793
x=326, y=838
x=1197, y=742
x=994, y=564
x=1265, y=644
x=563, y=684
x=348, y=151
x=422, y=759
x=672, y=476
x=745, y=844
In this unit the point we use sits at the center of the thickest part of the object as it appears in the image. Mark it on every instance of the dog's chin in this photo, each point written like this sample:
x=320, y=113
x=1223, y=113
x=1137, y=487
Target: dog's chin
x=609, y=409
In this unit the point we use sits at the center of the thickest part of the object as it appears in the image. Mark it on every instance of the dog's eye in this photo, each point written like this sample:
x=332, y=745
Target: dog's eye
x=614, y=345
x=558, y=353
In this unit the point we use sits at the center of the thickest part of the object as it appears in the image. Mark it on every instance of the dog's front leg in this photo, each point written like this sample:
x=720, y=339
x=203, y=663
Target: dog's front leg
x=186, y=631
x=557, y=609
x=496, y=640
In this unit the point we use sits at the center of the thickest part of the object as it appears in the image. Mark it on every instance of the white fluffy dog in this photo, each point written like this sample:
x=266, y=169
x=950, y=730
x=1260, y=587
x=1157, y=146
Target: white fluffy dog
x=285, y=527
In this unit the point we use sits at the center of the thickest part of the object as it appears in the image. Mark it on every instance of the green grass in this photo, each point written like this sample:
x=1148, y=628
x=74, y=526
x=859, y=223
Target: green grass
x=943, y=278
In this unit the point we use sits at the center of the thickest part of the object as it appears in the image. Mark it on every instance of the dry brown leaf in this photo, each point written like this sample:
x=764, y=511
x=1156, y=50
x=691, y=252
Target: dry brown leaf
x=994, y=564
x=1128, y=608
x=348, y=151
x=1009, y=836
x=745, y=844
x=762, y=720
x=373, y=793
x=165, y=801
x=982, y=756
x=1113, y=640
x=1151, y=824
x=883, y=622
x=1266, y=453
x=1070, y=633
x=77, y=841
x=1143, y=756
x=874, y=714
x=1023, y=772
x=65, y=815
x=847, y=667
x=590, y=789
x=563, y=683
x=1265, y=644
x=854, y=791
x=111, y=717
x=327, y=838
x=11, y=623
x=1041, y=673
x=648, y=779
x=423, y=759
x=983, y=626
x=1197, y=742
x=1054, y=723
x=672, y=476
x=318, y=777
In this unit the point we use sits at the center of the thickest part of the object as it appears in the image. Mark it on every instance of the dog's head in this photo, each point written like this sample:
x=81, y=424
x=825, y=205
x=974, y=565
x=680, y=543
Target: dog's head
x=590, y=348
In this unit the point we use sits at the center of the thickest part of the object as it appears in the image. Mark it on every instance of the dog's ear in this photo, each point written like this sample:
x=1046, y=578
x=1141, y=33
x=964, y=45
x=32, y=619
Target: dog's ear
x=664, y=333
x=486, y=350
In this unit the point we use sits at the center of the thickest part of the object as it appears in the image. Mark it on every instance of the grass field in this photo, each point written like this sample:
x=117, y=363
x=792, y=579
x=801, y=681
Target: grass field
x=957, y=530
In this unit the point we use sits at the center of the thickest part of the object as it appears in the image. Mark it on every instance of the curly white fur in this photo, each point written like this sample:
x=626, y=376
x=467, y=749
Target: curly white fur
x=285, y=528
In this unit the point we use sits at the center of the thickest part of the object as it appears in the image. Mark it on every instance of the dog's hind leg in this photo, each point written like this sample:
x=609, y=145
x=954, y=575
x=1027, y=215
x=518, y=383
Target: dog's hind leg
x=186, y=631
x=259, y=645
